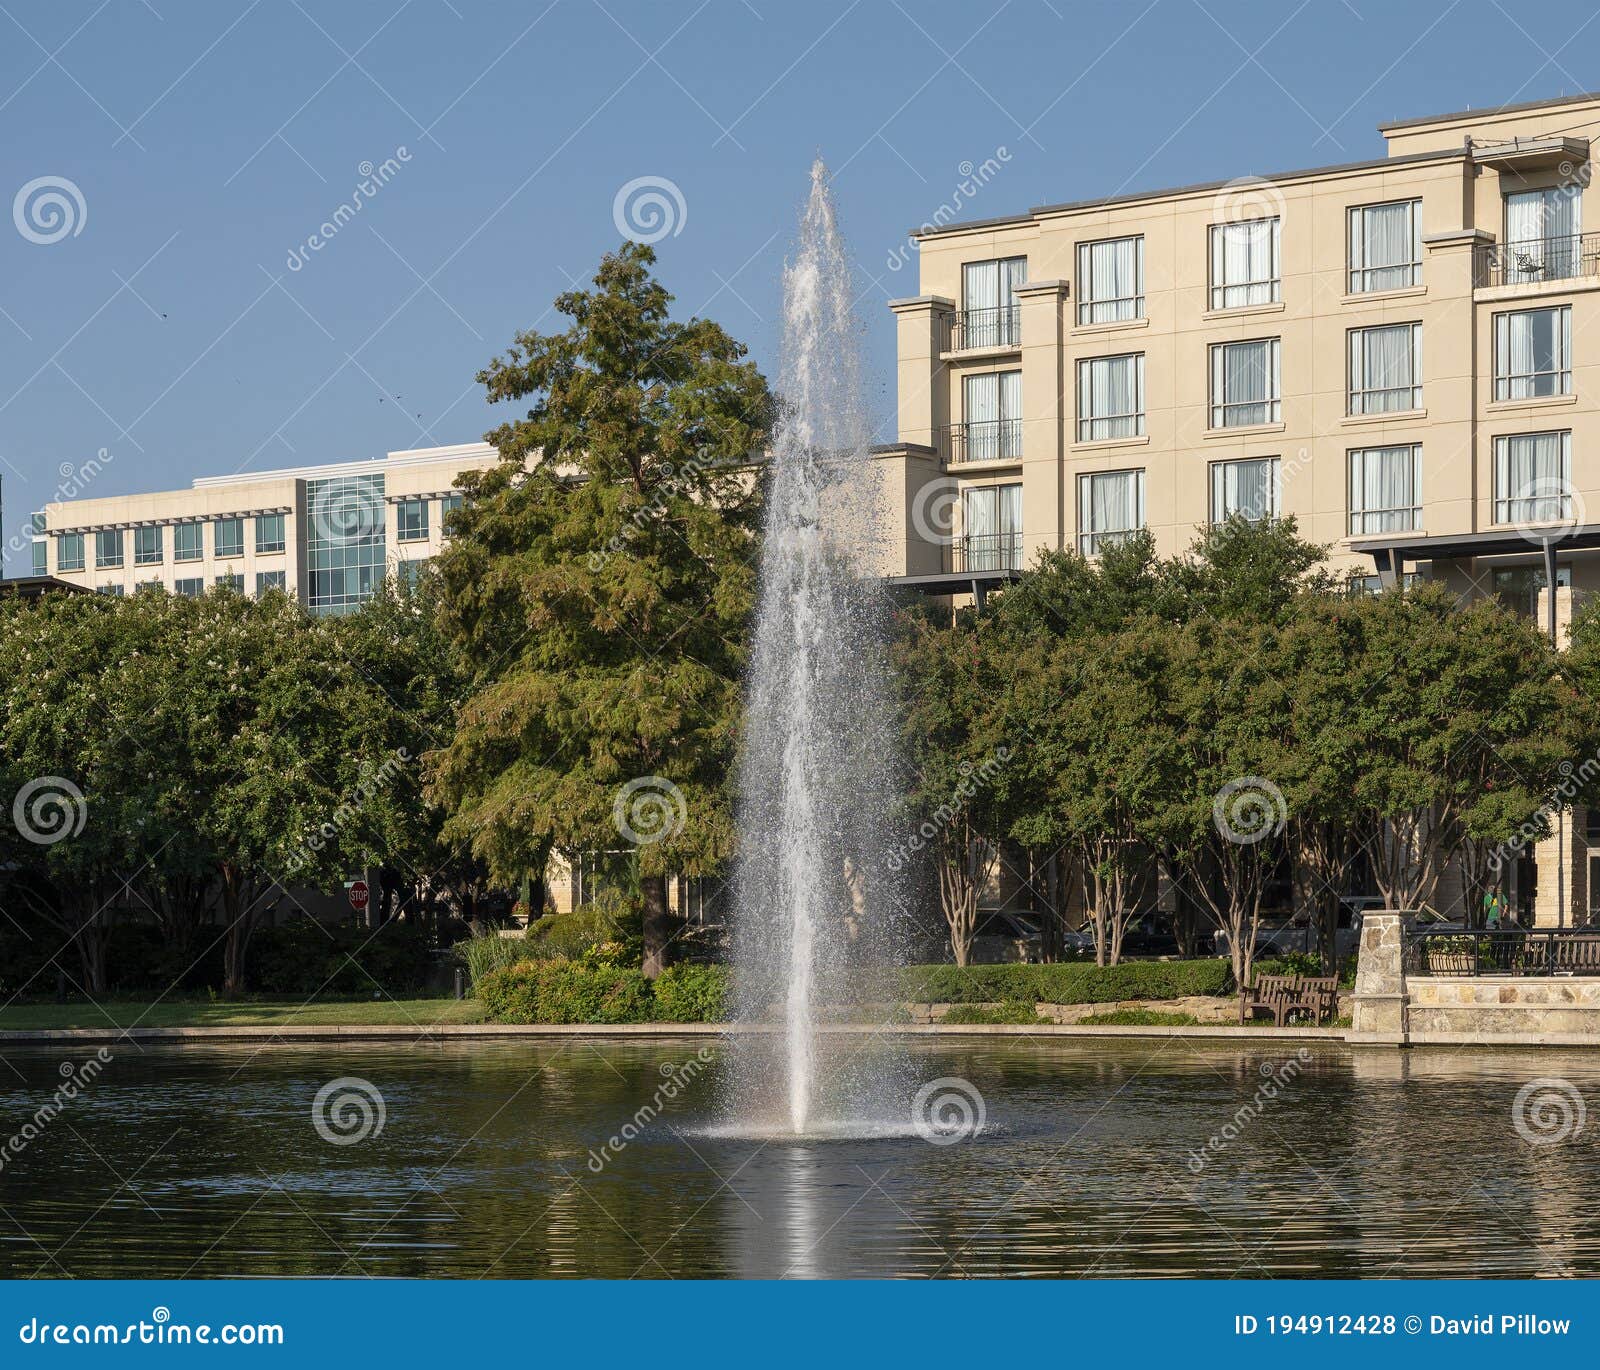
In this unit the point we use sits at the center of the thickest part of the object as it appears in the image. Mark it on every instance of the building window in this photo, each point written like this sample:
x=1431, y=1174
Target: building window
x=268, y=580
x=1386, y=489
x=1543, y=235
x=409, y=573
x=269, y=533
x=188, y=542
x=1385, y=246
x=346, y=558
x=1518, y=587
x=1111, y=280
x=1110, y=508
x=147, y=549
x=1386, y=369
x=1533, y=478
x=411, y=520
x=230, y=580
x=69, y=552
x=1533, y=353
x=1111, y=397
x=41, y=557
x=1249, y=488
x=448, y=505
x=1244, y=384
x=115, y=591
x=989, y=313
x=1244, y=263
x=227, y=539
x=107, y=547
x=991, y=528
x=189, y=588
x=992, y=405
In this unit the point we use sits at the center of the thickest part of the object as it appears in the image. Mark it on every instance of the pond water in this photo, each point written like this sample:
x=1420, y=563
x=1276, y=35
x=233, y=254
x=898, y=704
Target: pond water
x=1097, y=1158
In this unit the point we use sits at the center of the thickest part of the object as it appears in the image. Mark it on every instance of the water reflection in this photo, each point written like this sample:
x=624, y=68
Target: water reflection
x=1101, y=1158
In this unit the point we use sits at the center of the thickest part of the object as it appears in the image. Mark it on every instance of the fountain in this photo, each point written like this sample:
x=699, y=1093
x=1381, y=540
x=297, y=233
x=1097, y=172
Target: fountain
x=814, y=889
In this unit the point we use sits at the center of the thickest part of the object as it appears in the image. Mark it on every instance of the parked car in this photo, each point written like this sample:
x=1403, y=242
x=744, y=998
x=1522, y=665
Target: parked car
x=1002, y=936
x=1150, y=934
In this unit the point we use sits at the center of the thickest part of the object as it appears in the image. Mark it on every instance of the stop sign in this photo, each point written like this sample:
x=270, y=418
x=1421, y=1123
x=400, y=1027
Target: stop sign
x=359, y=894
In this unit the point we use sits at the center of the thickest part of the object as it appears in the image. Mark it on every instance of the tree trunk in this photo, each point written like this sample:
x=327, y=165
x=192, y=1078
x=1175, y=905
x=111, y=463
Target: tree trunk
x=657, y=924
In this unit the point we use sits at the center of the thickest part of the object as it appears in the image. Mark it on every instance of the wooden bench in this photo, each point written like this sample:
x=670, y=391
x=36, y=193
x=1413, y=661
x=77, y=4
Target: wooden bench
x=1282, y=995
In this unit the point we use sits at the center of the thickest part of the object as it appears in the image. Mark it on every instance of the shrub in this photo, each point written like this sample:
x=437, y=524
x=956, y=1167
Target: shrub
x=1012, y=1011
x=552, y=991
x=1140, y=1017
x=305, y=957
x=692, y=994
x=1064, y=982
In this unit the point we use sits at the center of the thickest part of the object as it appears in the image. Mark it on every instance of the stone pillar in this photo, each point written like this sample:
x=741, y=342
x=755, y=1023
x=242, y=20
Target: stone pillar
x=922, y=333
x=1380, y=998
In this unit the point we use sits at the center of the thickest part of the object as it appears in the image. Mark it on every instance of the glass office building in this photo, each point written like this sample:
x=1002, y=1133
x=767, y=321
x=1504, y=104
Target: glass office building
x=345, y=542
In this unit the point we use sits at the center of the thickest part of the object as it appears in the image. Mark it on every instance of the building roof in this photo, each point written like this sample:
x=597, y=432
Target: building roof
x=417, y=456
x=1525, y=107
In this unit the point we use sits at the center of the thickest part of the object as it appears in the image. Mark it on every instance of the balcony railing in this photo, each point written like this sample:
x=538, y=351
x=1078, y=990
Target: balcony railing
x=988, y=440
x=1540, y=259
x=997, y=327
x=987, y=552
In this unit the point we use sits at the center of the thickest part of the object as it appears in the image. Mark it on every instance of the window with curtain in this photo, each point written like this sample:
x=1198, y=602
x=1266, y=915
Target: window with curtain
x=1248, y=487
x=989, y=314
x=1533, y=353
x=1385, y=246
x=1386, y=369
x=1110, y=508
x=1386, y=489
x=992, y=528
x=1111, y=397
x=1533, y=478
x=993, y=427
x=1111, y=280
x=1244, y=384
x=1244, y=263
x=1542, y=234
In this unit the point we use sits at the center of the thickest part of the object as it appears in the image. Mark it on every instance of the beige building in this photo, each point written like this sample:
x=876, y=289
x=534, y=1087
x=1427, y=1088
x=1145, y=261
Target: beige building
x=327, y=535
x=1402, y=353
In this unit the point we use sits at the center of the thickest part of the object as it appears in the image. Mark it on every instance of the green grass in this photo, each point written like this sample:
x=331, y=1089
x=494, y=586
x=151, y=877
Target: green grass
x=242, y=1013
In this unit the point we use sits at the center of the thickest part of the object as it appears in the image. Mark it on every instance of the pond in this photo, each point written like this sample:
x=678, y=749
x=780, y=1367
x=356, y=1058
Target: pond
x=1098, y=1157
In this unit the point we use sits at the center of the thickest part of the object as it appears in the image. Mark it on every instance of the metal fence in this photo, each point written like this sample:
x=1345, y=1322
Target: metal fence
x=997, y=327
x=1540, y=259
x=1504, y=951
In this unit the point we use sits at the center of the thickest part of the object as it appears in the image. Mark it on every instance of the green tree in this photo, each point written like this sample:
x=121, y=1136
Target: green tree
x=600, y=581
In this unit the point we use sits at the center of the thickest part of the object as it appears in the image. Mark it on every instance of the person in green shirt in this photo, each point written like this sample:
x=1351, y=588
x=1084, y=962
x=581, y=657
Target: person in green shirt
x=1494, y=907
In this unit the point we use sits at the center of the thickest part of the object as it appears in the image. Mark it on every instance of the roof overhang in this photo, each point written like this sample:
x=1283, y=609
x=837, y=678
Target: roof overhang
x=1531, y=154
x=1497, y=542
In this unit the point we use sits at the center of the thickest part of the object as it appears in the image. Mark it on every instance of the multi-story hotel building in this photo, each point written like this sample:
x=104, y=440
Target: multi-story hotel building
x=327, y=535
x=1403, y=354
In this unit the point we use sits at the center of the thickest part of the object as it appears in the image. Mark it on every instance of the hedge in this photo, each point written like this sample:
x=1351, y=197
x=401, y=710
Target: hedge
x=563, y=991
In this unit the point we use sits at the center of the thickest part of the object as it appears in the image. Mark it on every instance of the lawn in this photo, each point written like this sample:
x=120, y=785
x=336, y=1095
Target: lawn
x=242, y=1013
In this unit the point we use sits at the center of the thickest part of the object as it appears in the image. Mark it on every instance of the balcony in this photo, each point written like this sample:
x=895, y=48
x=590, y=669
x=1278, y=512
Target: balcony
x=987, y=552
x=971, y=329
x=989, y=440
x=1533, y=260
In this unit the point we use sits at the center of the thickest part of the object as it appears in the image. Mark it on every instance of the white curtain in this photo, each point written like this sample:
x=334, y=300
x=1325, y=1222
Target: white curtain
x=1533, y=477
x=1542, y=228
x=1385, y=368
x=1385, y=246
x=1110, y=506
x=979, y=526
x=1244, y=383
x=1111, y=280
x=1111, y=397
x=1244, y=487
x=982, y=414
x=989, y=297
x=1009, y=437
x=1385, y=489
x=1244, y=263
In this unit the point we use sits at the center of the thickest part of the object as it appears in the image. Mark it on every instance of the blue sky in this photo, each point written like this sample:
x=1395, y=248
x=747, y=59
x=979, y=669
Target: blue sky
x=208, y=141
